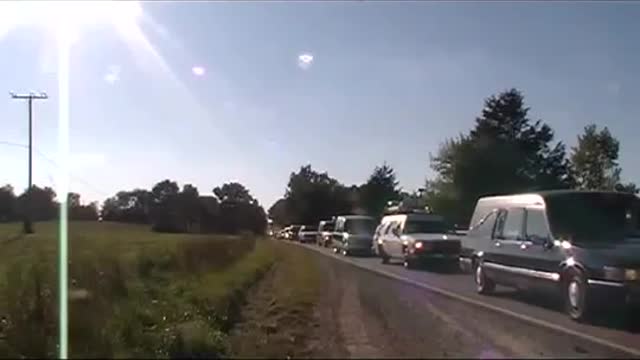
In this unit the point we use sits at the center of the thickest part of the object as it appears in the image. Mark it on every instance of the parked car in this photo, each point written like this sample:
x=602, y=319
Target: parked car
x=353, y=234
x=581, y=245
x=325, y=231
x=307, y=234
x=417, y=238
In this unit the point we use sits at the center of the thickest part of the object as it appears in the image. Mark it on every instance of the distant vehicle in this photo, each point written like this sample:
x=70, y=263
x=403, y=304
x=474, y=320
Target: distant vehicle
x=292, y=233
x=581, y=245
x=377, y=240
x=325, y=231
x=353, y=234
x=282, y=234
x=417, y=238
x=307, y=234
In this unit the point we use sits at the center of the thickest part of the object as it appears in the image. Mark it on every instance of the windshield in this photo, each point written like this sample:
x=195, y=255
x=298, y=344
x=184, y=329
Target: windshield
x=594, y=217
x=425, y=226
x=326, y=227
x=308, y=228
x=360, y=226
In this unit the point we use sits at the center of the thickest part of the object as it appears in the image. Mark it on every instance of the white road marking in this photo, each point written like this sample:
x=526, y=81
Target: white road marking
x=542, y=323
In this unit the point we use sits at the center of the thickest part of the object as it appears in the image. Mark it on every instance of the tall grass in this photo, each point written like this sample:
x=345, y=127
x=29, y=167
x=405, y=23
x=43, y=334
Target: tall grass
x=132, y=293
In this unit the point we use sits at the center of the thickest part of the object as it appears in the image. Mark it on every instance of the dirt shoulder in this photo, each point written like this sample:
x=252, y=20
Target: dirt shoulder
x=284, y=313
x=312, y=305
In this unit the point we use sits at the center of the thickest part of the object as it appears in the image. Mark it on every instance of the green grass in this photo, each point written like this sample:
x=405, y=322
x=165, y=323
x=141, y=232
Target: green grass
x=133, y=293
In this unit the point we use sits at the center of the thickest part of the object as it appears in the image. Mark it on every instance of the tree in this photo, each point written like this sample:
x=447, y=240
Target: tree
x=209, y=214
x=312, y=196
x=165, y=212
x=239, y=211
x=279, y=212
x=7, y=204
x=77, y=211
x=190, y=206
x=380, y=188
x=42, y=205
x=506, y=152
x=628, y=187
x=595, y=160
x=128, y=206
x=232, y=191
x=73, y=200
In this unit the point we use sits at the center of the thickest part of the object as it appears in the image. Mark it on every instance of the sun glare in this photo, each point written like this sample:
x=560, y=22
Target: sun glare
x=67, y=18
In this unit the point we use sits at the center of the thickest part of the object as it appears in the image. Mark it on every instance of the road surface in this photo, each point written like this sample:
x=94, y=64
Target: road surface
x=382, y=310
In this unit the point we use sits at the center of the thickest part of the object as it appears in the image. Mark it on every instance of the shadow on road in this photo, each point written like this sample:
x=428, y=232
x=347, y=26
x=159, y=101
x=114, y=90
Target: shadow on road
x=615, y=319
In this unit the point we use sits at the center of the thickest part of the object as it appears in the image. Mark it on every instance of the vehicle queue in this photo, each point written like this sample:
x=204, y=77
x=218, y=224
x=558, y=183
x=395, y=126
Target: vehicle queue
x=583, y=246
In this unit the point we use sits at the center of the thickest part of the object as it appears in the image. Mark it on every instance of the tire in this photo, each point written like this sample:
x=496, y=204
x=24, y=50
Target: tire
x=385, y=259
x=578, y=303
x=484, y=285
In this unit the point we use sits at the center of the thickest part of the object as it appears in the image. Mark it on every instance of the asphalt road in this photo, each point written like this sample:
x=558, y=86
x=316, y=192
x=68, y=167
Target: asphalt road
x=505, y=324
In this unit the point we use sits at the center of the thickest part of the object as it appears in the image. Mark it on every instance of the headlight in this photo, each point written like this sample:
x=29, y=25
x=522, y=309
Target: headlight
x=345, y=236
x=418, y=245
x=618, y=274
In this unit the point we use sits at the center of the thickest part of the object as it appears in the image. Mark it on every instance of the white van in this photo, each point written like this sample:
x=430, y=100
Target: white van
x=415, y=238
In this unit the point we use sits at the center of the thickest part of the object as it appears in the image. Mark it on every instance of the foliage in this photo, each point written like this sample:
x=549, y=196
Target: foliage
x=312, y=196
x=380, y=188
x=595, y=161
x=134, y=293
x=506, y=152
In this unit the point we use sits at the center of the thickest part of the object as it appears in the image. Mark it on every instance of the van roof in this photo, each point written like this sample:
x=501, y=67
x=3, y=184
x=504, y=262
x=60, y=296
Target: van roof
x=364, y=217
x=539, y=196
x=414, y=216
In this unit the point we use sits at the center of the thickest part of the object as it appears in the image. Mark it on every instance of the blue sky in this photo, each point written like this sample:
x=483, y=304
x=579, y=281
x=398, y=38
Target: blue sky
x=389, y=81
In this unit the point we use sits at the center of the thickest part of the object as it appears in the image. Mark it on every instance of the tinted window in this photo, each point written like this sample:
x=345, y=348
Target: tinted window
x=360, y=226
x=594, y=217
x=485, y=227
x=425, y=226
x=536, y=225
x=512, y=229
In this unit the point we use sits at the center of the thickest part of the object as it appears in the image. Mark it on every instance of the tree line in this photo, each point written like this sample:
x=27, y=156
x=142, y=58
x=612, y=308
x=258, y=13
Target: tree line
x=42, y=204
x=167, y=208
x=504, y=152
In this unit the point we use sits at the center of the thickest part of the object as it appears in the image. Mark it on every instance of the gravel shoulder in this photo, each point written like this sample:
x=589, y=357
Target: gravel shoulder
x=360, y=314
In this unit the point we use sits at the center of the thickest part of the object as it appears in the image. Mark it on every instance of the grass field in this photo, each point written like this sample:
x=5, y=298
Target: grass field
x=133, y=293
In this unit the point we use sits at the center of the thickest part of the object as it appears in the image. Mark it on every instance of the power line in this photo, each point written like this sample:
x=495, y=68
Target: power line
x=28, y=227
x=41, y=154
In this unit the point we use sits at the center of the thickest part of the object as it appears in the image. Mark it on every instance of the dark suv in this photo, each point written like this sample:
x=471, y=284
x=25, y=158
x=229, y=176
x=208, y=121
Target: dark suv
x=582, y=245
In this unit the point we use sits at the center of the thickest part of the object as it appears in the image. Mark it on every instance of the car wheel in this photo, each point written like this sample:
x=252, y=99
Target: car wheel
x=484, y=285
x=385, y=259
x=577, y=301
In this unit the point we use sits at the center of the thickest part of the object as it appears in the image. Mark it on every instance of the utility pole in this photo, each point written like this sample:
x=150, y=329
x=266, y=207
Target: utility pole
x=28, y=226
